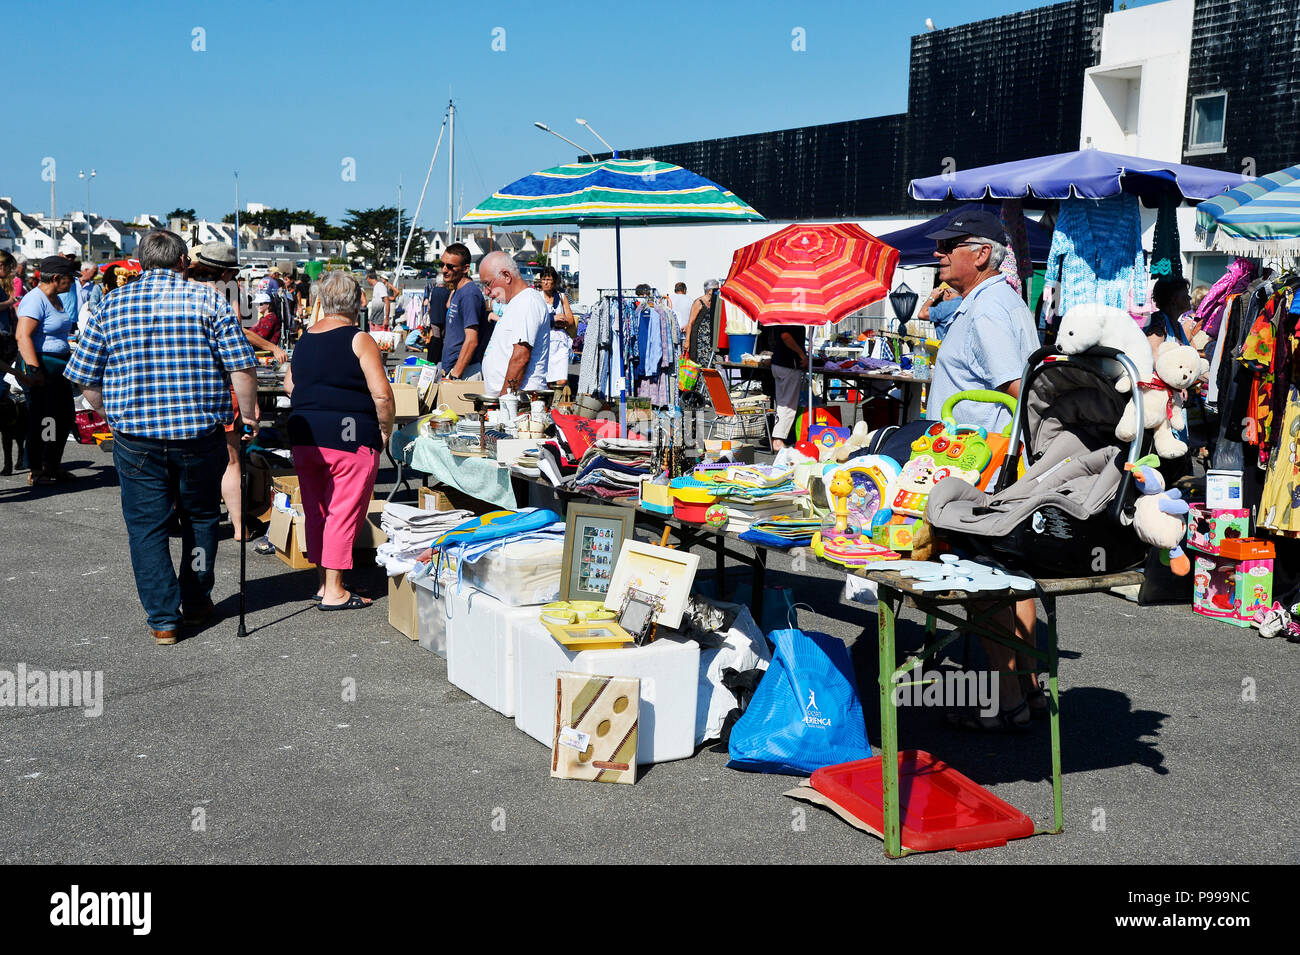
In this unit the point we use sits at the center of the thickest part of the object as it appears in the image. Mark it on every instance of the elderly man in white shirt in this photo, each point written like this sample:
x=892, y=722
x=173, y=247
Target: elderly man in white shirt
x=517, y=354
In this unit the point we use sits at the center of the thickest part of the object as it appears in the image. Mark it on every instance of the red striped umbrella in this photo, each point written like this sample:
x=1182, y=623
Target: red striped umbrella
x=810, y=274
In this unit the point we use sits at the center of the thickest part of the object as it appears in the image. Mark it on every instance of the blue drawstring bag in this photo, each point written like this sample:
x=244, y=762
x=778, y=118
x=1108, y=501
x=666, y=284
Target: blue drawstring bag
x=805, y=713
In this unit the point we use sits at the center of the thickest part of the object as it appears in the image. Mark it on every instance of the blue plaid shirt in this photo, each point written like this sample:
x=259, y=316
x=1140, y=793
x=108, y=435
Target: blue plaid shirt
x=161, y=349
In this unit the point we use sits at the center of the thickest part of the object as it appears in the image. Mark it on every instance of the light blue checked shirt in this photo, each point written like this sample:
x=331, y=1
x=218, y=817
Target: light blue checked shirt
x=161, y=349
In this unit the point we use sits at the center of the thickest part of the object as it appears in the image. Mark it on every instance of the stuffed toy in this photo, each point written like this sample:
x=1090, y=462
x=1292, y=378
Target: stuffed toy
x=1088, y=326
x=860, y=437
x=1158, y=514
x=1177, y=368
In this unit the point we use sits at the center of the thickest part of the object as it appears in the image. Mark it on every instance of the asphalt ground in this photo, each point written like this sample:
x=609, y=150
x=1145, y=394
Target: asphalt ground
x=222, y=750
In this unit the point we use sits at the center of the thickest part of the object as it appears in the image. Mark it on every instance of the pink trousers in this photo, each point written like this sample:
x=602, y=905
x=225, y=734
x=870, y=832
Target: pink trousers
x=336, y=488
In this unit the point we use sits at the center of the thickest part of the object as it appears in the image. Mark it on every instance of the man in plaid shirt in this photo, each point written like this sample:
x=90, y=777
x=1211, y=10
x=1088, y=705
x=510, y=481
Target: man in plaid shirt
x=154, y=359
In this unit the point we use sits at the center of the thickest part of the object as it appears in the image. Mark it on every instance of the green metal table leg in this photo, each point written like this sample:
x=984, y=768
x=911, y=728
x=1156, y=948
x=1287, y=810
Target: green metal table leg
x=889, y=601
x=1054, y=713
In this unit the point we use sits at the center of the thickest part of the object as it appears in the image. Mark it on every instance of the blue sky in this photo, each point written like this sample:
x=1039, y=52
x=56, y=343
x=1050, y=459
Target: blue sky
x=284, y=92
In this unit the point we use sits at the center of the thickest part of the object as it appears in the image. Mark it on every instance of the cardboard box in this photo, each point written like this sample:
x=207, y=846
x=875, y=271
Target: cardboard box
x=406, y=398
x=260, y=478
x=1207, y=530
x=453, y=395
x=451, y=499
x=290, y=542
x=1236, y=584
x=287, y=483
x=370, y=535
x=403, y=606
x=1223, y=490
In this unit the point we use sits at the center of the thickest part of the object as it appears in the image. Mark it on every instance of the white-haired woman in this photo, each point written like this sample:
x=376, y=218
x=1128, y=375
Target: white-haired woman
x=341, y=419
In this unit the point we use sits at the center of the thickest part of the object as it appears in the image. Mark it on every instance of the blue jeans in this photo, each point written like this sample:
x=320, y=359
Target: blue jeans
x=157, y=478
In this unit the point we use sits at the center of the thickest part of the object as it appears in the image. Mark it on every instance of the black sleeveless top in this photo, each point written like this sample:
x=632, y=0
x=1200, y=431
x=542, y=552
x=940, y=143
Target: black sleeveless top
x=332, y=405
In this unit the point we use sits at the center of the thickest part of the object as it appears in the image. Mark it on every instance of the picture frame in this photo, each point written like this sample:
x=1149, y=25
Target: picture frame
x=593, y=534
x=590, y=635
x=637, y=615
x=659, y=571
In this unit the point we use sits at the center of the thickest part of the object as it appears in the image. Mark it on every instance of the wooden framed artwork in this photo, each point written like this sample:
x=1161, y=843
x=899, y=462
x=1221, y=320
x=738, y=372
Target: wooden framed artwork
x=593, y=539
x=657, y=571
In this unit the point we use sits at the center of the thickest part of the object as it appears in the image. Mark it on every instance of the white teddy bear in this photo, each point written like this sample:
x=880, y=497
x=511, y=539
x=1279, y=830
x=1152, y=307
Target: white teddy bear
x=1088, y=326
x=1179, y=367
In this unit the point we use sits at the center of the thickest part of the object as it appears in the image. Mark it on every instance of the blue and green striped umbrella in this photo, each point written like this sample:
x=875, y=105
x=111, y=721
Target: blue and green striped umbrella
x=636, y=190
x=1260, y=217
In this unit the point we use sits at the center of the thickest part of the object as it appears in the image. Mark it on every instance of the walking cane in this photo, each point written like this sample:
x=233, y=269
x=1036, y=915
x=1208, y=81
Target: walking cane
x=244, y=439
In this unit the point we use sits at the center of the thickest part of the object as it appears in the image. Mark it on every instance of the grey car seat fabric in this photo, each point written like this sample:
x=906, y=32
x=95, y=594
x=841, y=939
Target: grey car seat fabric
x=1079, y=481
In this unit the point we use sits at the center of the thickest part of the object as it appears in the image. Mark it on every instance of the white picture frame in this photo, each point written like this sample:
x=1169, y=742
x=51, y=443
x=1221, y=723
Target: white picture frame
x=657, y=570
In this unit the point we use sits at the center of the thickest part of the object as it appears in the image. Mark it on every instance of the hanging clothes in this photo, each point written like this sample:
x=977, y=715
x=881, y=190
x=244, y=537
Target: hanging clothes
x=1096, y=253
x=1166, y=254
x=1012, y=215
x=1239, y=274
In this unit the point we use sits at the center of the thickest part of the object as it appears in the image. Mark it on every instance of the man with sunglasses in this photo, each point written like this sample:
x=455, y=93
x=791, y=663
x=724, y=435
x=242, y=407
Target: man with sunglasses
x=992, y=332
x=466, y=331
x=989, y=341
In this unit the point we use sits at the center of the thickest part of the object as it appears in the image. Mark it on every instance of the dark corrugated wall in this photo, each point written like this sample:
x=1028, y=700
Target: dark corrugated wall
x=1251, y=49
x=1002, y=89
x=997, y=90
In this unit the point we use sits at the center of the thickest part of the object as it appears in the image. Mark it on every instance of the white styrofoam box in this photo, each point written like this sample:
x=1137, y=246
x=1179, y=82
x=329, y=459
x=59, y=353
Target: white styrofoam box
x=520, y=573
x=668, y=669
x=481, y=636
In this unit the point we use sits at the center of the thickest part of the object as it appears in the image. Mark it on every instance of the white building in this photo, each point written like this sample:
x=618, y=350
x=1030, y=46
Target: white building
x=1133, y=105
x=563, y=253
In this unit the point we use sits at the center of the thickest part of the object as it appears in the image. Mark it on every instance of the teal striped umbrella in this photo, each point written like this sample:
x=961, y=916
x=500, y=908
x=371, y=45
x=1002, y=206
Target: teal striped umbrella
x=639, y=190
x=1263, y=216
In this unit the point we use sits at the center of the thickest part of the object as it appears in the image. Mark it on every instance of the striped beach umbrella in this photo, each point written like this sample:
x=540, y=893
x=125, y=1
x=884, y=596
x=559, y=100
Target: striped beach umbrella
x=810, y=274
x=1259, y=217
x=636, y=190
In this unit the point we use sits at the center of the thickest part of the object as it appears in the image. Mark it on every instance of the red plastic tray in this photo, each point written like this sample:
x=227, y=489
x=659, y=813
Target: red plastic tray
x=939, y=807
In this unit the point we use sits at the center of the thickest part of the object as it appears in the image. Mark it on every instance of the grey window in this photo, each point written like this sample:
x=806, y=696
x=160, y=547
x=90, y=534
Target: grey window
x=1208, y=113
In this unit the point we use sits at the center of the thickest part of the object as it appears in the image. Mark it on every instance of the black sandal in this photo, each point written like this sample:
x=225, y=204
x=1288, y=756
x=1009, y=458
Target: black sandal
x=1006, y=720
x=354, y=602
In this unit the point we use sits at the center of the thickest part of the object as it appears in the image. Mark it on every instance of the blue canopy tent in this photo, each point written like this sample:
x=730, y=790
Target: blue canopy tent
x=1084, y=174
x=915, y=249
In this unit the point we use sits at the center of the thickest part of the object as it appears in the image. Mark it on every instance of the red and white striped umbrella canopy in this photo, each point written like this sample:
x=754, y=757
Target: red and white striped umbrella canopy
x=810, y=274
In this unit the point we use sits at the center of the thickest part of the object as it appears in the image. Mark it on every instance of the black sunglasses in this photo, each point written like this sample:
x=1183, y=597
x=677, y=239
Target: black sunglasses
x=946, y=246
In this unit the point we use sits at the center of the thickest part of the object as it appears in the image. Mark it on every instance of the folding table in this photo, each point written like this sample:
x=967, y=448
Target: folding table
x=894, y=591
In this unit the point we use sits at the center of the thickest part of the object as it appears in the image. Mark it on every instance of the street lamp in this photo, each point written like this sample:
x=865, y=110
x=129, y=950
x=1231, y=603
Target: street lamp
x=546, y=129
x=613, y=151
x=81, y=174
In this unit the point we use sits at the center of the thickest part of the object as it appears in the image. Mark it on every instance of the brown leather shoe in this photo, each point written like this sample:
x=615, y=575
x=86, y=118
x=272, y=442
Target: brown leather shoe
x=205, y=612
x=164, y=638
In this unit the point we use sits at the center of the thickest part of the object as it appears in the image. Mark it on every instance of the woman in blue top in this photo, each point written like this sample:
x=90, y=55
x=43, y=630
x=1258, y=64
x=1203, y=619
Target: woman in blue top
x=43, y=329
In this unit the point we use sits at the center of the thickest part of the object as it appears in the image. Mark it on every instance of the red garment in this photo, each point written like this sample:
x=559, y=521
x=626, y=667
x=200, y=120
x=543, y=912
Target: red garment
x=268, y=326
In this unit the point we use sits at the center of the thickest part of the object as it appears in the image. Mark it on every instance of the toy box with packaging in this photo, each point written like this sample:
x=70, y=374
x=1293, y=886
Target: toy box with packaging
x=1207, y=529
x=1235, y=584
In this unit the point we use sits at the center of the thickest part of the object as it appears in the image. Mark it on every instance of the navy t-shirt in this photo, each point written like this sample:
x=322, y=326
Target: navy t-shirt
x=465, y=309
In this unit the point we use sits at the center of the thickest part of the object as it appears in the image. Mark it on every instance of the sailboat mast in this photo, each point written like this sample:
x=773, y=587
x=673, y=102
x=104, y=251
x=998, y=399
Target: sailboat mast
x=451, y=173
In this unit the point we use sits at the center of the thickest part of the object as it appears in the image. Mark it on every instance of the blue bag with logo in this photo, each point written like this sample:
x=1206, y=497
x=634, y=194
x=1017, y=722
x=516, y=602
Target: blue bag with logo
x=805, y=713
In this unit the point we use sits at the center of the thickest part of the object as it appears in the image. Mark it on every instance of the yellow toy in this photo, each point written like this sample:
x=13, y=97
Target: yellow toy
x=841, y=488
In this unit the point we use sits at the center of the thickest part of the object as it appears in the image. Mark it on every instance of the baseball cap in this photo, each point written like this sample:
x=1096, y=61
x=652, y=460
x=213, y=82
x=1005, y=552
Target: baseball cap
x=262, y=298
x=978, y=222
x=58, y=265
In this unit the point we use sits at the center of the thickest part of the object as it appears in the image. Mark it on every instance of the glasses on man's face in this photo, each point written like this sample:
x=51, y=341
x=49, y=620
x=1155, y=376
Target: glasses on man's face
x=451, y=266
x=948, y=246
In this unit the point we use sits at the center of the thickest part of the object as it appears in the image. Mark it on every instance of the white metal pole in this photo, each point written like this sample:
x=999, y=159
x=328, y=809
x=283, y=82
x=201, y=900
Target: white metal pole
x=451, y=171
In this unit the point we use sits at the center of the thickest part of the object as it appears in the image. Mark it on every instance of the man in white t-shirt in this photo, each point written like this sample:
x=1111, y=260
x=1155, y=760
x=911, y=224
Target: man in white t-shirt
x=681, y=304
x=516, y=356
